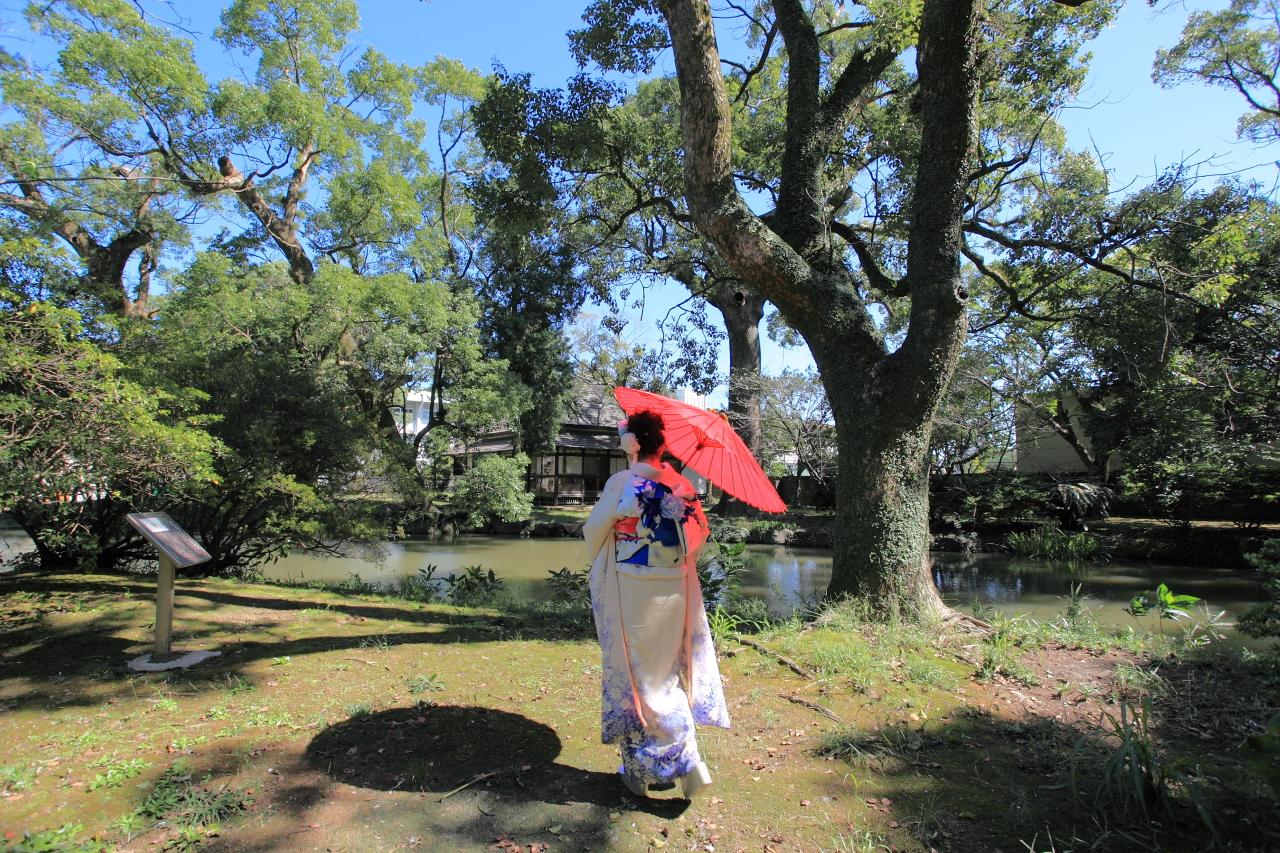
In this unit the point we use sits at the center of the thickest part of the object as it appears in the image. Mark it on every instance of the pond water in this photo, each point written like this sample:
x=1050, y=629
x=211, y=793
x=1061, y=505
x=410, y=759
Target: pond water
x=789, y=577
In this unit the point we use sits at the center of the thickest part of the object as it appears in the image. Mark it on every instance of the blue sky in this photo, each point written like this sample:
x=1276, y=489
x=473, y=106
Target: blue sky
x=1136, y=125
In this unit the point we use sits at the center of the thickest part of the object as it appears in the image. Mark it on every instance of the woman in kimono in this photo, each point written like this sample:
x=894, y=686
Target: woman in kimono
x=659, y=667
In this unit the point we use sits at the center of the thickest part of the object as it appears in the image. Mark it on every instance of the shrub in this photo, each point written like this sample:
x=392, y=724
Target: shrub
x=762, y=530
x=1263, y=620
x=1077, y=502
x=474, y=585
x=728, y=530
x=494, y=487
x=84, y=444
x=424, y=586
x=569, y=586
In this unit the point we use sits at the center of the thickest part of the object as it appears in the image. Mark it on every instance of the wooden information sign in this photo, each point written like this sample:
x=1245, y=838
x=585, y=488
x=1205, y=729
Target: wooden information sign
x=177, y=550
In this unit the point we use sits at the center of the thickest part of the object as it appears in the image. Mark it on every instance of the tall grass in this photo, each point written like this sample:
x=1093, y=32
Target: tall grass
x=1049, y=543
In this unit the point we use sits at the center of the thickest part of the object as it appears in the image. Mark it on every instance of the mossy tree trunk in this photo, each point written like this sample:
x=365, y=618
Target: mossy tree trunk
x=883, y=401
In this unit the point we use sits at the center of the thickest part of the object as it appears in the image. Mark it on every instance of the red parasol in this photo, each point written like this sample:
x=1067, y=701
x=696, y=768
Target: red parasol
x=705, y=442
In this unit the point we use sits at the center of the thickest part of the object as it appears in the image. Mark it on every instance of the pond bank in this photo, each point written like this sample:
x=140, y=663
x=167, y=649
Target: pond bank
x=787, y=578
x=360, y=722
x=1217, y=544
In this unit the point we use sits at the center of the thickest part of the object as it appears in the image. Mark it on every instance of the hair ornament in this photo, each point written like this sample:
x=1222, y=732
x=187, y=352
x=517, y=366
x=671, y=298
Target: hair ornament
x=630, y=444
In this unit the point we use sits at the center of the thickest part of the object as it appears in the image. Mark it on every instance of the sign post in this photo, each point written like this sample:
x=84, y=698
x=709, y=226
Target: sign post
x=177, y=550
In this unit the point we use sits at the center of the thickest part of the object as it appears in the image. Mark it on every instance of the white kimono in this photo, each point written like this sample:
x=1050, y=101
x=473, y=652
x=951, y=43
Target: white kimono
x=659, y=666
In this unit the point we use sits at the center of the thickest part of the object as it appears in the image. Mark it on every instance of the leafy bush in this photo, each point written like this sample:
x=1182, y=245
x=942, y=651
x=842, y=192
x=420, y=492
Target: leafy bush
x=762, y=530
x=474, y=585
x=424, y=586
x=494, y=487
x=1263, y=620
x=569, y=586
x=84, y=443
x=727, y=530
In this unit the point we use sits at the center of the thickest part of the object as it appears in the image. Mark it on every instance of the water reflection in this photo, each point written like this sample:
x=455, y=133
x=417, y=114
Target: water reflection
x=787, y=578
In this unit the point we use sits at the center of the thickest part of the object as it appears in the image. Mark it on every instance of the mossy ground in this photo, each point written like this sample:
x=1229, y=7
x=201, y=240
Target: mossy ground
x=345, y=722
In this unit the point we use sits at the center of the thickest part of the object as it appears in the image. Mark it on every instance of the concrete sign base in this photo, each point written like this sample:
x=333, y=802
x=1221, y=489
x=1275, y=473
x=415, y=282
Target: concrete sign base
x=144, y=663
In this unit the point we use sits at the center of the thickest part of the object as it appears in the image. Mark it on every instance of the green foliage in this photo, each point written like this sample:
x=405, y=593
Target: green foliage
x=64, y=839
x=1234, y=48
x=1049, y=543
x=1135, y=779
x=1080, y=501
x=720, y=572
x=981, y=499
x=494, y=487
x=259, y=346
x=1186, y=465
x=473, y=586
x=1001, y=650
x=1164, y=601
x=424, y=586
x=118, y=773
x=83, y=444
x=570, y=586
x=1263, y=620
x=724, y=624
x=195, y=810
x=530, y=295
x=425, y=684
x=16, y=777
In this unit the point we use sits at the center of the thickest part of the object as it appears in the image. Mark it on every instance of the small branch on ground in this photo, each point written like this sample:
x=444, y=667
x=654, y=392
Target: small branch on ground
x=812, y=706
x=785, y=661
x=466, y=785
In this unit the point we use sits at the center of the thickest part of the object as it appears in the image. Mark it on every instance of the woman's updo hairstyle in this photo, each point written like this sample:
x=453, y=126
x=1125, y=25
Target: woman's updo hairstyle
x=646, y=426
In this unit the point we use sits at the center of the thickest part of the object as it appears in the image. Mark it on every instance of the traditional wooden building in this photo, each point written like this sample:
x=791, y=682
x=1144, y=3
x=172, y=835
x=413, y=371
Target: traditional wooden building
x=587, y=451
x=584, y=457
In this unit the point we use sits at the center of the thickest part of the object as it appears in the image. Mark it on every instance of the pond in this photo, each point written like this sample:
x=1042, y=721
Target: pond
x=786, y=578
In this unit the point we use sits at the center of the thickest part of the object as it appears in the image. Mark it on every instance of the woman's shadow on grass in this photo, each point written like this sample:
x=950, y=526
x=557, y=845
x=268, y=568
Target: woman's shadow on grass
x=460, y=750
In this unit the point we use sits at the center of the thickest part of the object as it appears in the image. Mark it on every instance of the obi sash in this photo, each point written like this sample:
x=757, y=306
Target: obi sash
x=651, y=530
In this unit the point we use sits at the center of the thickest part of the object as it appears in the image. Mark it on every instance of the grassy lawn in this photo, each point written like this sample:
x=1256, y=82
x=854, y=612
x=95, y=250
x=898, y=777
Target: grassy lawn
x=566, y=514
x=342, y=722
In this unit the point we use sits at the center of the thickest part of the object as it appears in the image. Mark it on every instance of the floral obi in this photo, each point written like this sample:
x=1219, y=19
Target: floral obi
x=651, y=530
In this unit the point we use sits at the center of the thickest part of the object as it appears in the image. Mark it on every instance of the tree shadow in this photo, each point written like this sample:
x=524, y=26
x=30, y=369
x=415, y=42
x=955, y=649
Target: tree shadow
x=496, y=769
x=85, y=663
x=187, y=587
x=979, y=782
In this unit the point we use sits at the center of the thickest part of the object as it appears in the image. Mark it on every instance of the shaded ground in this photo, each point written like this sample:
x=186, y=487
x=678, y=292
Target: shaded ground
x=361, y=723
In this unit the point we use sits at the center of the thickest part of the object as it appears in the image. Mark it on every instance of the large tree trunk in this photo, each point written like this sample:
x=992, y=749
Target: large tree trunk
x=881, y=526
x=883, y=402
